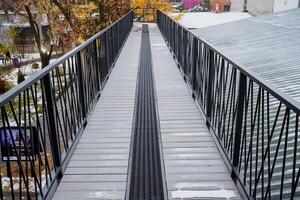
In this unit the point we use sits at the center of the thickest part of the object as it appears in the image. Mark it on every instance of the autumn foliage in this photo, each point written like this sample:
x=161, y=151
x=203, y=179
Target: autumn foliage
x=98, y=14
x=146, y=9
x=4, y=86
x=75, y=21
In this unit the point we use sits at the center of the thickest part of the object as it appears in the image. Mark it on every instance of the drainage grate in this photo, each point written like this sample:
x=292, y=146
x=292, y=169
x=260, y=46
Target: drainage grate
x=145, y=179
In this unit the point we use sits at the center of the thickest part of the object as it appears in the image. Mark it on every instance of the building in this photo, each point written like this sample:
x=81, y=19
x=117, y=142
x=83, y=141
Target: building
x=25, y=42
x=220, y=5
x=260, y=7
x=188, y=4
x=237, y=5
x=214, y=5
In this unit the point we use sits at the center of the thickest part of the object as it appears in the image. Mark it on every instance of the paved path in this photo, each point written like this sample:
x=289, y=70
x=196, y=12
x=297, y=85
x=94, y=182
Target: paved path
x=194, y=168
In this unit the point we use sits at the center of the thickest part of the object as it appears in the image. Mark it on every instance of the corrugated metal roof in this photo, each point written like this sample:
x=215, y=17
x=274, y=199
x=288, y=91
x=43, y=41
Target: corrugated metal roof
x=268, y=45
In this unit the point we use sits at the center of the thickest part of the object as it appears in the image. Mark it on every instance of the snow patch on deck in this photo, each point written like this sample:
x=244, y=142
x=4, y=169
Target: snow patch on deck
x=227, y=194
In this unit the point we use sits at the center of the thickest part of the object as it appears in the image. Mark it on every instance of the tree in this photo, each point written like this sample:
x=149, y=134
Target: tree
x=44, y=49
x=79, y=22
x=147, y=11
x=45, y=53
x=107, y=11
x=16, y=41
x=88, y=17
x=7, y=5
x=66, y=8
x=94, y=15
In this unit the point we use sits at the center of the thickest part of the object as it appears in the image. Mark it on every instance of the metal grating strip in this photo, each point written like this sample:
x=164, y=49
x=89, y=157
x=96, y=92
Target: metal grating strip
x=146, y=178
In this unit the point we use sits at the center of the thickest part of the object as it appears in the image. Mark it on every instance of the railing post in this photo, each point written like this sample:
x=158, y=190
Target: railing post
x=194, y=65
x=53, y=128
x=97, y=65
x=239, y=124
x=81, y=87
x=209, y=95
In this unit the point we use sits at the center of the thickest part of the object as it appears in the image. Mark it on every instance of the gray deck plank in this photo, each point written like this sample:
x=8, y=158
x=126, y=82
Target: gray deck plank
x=194, y=168
x=87, y=195
x=98, y=168
x=99, y=165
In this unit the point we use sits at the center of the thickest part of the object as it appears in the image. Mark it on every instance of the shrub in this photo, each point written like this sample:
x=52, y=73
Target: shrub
x=35, y=66
x=4, y=86
x=21, y=77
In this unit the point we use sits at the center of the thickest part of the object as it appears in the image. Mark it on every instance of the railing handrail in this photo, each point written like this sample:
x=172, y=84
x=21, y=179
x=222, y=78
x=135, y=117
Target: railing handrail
x=53, y=106
x=9, y=95
x=244, y=113
x=269, y=87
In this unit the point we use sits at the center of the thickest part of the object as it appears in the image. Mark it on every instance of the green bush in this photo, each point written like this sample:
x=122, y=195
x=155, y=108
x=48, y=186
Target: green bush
x=21, y=77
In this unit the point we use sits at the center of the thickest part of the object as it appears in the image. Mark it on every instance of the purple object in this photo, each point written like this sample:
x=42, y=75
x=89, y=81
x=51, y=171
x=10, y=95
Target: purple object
x=188, y=4
x=19, y=141
x=15, y=63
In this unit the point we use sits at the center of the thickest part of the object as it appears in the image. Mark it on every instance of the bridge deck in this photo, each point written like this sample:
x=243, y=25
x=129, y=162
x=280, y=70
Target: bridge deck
x=193, y=165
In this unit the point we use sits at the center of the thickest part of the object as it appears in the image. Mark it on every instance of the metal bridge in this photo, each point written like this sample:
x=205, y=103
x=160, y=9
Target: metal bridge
x=148, y=111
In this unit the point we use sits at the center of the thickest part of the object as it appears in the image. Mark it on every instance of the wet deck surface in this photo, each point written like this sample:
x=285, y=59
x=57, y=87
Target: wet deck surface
x=194, y=168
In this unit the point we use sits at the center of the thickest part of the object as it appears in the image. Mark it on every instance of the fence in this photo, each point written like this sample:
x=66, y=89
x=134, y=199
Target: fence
x=42, y=118
x=254, y=124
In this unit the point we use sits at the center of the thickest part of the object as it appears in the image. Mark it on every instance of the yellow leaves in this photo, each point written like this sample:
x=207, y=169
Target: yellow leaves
x=83, y=11
x=139, y=3
x=178, y=17
x=148, y=8
x=163, y=5
x=80, y=39
x=75, y=21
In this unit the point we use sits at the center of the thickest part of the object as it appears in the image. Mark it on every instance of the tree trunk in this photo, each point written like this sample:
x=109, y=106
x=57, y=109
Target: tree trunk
x=72, y=20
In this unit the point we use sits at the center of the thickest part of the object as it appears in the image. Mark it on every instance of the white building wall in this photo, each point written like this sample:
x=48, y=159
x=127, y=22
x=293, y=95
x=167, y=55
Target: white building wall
x=280, y=5
x=260, y=7
x=237, y=6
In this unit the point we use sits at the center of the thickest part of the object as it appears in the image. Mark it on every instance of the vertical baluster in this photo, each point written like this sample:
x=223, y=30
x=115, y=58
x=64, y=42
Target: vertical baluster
x=238, y=125
x=97, y=66
x=81, y=85
x=195, y=54
x=54, y=134
x=210, y=80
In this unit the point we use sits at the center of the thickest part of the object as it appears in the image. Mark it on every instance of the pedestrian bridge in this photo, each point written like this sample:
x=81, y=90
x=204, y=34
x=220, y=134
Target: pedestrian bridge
x=148, y=111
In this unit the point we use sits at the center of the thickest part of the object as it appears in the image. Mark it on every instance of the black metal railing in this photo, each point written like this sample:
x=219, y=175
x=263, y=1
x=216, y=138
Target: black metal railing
x=255, y=125
x=42, y=118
